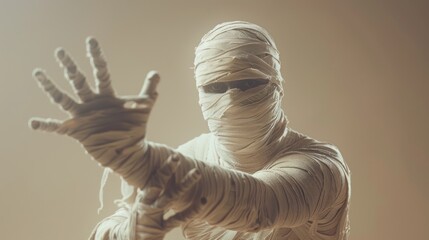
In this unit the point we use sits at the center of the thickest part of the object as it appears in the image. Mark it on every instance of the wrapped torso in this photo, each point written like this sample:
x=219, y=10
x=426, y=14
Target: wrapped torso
x=311, y=213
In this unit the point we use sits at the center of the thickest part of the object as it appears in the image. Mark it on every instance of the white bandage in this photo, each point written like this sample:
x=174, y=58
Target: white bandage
x=247, y=124
x=236, y=51
x=257, y=176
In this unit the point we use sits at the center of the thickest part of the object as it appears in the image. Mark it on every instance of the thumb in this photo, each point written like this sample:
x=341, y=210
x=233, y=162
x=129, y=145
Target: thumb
x=150, y=84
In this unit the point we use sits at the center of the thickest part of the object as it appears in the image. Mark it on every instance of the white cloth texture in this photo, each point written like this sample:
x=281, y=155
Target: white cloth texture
x=260, y=179
x=311, y=185
x=247, y=124
x=303, y=193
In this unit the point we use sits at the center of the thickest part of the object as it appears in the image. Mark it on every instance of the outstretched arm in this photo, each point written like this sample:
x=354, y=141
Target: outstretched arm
x=295, y=189
x=113, y=133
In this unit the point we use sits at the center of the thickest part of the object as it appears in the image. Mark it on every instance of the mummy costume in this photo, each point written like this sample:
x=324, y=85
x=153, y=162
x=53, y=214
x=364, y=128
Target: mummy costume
x=251, y=177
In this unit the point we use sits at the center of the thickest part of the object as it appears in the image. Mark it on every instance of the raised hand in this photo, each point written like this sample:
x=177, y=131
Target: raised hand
x=104, y=123
x=147, y=217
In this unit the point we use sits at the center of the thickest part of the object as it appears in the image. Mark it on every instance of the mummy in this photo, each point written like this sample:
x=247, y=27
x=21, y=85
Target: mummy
x=253, y=176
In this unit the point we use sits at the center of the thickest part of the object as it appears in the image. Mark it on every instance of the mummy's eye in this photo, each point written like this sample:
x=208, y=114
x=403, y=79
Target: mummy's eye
x=249, y=83
x=243, y=85
x=219, y=87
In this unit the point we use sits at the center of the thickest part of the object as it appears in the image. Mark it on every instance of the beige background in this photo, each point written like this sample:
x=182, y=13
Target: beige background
x=356, y=75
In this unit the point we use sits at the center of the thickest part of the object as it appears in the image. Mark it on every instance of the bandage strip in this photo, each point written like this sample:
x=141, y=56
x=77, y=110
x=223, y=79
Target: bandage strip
x=247, y=124
x=310, y=193
x=284, y=196
x=99, y=64
x=72, y=73
x=145, y=219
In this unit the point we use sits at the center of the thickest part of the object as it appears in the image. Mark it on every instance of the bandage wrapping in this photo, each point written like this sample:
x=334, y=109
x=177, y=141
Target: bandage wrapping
x=259, y=178
x=247, y=124
x=285, y=194
x=303, y=193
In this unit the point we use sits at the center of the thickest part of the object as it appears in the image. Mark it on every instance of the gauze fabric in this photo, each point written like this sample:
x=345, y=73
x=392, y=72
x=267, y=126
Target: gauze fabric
x=289, y=187
x=303, y=193
x=236, y=51
x=247, y=124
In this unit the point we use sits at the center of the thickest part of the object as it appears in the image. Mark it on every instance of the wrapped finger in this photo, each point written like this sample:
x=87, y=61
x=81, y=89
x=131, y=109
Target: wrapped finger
x=160, y=178
x=57, y=96
x=180, y=217
x=167, y=170
x=48, y=125
x=148, y=195
x=99, y=64
x=72, y=73
x=150, y=84
x=191, y=178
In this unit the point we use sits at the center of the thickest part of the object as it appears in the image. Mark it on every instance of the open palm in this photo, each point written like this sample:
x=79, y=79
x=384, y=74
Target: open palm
x=104, y=123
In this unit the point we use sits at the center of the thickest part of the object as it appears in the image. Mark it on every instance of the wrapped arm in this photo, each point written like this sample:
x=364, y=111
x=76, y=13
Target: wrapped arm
x=295, y=189
x=141, y=213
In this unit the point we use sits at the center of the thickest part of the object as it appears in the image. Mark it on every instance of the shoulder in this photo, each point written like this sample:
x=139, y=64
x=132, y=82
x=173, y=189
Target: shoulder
x=307, y=160
x=299, y=150
x=196, y=145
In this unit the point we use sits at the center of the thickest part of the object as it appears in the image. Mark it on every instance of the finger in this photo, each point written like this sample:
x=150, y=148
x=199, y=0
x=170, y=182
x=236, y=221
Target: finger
x=148, y=195
x=150, y=84
x=180, y=217
x=66, y=102
x=73, y=74
x=161, y=177
x=99, y=64
x=191, y=178
x=167, y=170
x=48, y=125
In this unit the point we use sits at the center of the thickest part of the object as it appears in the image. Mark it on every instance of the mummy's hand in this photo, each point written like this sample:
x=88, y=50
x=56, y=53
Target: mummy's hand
x=147, y=217
x=105, y=124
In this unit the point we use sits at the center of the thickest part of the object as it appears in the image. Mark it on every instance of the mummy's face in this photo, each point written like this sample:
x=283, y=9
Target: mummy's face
x=237, y=70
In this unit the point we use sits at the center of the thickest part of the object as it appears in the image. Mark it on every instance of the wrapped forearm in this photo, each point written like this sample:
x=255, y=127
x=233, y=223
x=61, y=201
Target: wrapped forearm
x=289, y=192
x=294, y=190
x=236, y=200
x=232, y=199
x=136, y=163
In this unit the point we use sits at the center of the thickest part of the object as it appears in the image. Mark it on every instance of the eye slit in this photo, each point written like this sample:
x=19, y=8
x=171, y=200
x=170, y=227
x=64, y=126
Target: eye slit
x=216, y=88
x=251, y=83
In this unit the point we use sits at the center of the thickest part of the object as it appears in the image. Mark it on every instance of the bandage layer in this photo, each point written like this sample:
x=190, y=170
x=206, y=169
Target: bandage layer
x=303, y=192
x=247, y=124
x=260, y=179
